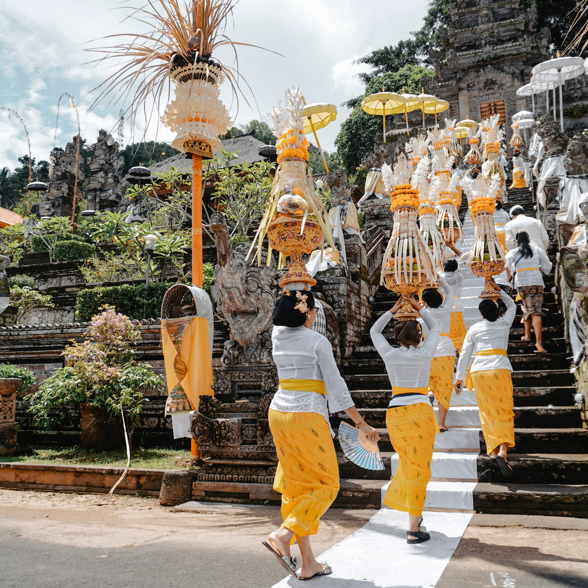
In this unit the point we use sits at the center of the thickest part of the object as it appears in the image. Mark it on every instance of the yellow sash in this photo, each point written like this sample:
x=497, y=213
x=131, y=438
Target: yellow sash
x=492, y=352
x=400, y=390
x=499, y=224
x=442, y=335
x=526, y=269
x=295, y=385
x=468, y=381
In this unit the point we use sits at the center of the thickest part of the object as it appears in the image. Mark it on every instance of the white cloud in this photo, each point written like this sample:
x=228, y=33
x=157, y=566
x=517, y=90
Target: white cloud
x=344, y=75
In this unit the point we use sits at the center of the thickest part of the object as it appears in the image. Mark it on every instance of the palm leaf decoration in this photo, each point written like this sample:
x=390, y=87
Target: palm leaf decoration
x=182, y=33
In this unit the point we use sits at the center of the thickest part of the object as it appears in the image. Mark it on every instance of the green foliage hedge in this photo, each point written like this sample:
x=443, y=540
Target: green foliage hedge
x=72, y=249
x=126, y=299
x=22, y=280
x=8, y=370
x=38, y=245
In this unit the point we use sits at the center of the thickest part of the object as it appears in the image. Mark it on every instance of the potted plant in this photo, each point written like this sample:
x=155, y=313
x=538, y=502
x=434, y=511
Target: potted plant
x=13, y=379
x=102, y=378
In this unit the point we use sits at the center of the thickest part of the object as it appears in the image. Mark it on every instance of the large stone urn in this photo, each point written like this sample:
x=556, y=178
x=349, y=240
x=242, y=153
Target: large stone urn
x=8, y=426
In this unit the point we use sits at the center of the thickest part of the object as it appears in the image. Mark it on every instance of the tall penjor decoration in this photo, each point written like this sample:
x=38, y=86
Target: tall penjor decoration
x=407, y=266
x=295, y=220
x=473, y=157
x=487, y=255
x=447, y=204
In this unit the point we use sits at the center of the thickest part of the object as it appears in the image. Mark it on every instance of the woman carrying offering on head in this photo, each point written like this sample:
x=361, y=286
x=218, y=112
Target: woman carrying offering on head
x=443, y=363
x=527, y=262
x=310, y=387
x=410, y=418
x=487, y=342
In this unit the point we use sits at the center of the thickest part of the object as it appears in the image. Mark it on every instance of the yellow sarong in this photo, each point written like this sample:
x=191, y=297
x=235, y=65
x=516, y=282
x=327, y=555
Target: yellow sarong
x=518, y=178
x=412, y=433
x=441, y=379
x=501, y=234
x=458, y=331
x=310, y=475
x=188, y=364
x=494, y=393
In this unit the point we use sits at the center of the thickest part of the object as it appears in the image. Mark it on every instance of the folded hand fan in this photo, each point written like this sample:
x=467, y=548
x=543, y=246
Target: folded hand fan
x=358, y=449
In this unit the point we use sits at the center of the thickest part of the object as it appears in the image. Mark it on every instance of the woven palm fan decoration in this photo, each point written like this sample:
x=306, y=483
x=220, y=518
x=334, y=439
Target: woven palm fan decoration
x=295, y=220
x=447, y=211
x=416, y=149
x=407, y=266
x=487, y=255
x=450, y=142
x=492, y=168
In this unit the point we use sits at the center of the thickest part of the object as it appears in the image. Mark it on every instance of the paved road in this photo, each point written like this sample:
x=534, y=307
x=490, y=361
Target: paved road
x=63, y=541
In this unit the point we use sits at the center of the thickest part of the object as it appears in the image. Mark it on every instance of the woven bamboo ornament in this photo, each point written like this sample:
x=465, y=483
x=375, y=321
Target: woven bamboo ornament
x=427, y=214
x=487, y=255
x=295, y=220
x=407, y=266
x=492, y=168
x=447, y=212
x=473, y=156
x=516, y=141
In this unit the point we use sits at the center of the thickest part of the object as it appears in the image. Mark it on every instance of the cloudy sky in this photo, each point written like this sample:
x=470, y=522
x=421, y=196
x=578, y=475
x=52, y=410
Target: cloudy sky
x=42, y=55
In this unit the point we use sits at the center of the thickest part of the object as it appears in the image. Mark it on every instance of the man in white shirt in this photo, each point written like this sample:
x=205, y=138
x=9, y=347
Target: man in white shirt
x=521, y=222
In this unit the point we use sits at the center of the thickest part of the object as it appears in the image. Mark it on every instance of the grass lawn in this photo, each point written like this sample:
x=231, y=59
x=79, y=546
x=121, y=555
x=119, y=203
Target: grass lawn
x=162, y=459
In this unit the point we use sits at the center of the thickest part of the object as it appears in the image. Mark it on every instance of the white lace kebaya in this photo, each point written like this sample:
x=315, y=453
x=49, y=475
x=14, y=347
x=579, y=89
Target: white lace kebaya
x=407, y=367
x=302, y=354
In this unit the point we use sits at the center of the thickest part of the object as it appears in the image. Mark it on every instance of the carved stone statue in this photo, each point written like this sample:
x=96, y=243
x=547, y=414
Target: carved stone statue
x=554, y=141
x=576, y=157
x=245, y=294
x=4, y=287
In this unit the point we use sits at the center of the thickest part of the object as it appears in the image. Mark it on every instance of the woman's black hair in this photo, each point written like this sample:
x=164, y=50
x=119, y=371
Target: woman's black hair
x=450, y=266
x=432, y=297
x=498, y=205
x=285, y=315
x=489, y=310
x=523, y=242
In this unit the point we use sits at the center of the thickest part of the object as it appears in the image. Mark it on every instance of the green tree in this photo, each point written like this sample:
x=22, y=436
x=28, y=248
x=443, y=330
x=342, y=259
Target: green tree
x=25, y=299
x=146, y=153
x=260, y=130
x=316, y=164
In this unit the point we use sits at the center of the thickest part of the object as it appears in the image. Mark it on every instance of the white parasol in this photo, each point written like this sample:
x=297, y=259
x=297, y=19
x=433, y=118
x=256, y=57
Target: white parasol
x=558, y=71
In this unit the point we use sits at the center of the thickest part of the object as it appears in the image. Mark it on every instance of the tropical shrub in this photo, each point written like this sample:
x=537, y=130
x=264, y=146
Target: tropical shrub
x=25, y=299
x=101, y=372
x=72, y=249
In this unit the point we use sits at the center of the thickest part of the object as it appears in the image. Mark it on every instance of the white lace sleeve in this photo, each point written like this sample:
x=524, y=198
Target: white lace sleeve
x=338, y=395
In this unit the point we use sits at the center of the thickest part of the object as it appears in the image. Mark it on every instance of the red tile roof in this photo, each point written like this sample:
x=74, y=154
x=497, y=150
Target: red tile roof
x=7, y=217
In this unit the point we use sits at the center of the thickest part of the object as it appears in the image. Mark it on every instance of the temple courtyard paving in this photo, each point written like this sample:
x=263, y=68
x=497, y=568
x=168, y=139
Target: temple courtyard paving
x=62, y=540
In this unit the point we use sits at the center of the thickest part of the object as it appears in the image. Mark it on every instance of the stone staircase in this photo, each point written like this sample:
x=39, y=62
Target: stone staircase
x=550, y=461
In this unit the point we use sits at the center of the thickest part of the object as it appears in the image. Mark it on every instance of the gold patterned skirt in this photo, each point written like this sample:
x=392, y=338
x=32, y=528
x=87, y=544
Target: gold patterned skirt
x=441, y=379
x=457, y=330
x=494, y=394
x=412, y=433
x=309, y=470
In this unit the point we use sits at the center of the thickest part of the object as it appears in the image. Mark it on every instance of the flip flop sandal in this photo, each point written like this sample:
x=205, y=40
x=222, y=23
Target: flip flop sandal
x=505, y=468
x=421, y=537
x=288, y=563
x=326, y=571
x=432, y=399
x=443, y=429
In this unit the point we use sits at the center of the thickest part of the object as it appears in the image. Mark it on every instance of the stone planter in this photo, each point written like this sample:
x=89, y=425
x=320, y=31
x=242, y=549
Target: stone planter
x=8, y=426
x=100, y=429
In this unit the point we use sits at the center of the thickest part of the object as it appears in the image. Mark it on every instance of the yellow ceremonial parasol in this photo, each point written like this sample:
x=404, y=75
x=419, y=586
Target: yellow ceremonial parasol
x=318, y=116
x=427, y=100
x=436, y=108
x=469, y=124
x=382, y=104
x=412, y=102
x=461, y=133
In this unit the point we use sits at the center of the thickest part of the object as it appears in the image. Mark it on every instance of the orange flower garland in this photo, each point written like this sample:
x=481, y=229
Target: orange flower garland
x=426, y=207
x=286, y=143
x=484, y=204
x=404, y=195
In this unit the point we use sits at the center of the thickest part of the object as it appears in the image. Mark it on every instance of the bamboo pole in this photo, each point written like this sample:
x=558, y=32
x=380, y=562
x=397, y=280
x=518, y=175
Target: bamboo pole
x=384, y=118
x=318, y=143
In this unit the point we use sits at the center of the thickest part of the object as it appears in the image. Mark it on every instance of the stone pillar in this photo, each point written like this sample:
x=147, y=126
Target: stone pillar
x=8, y=426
